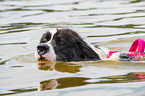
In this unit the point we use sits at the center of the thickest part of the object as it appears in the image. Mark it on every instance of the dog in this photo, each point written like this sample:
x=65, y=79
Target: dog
x=66, y=45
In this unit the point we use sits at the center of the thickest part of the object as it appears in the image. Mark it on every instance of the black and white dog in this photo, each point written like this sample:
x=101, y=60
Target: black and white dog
x=67, y=45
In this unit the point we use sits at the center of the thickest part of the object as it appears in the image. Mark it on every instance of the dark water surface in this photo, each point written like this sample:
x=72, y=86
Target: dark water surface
x=114, y=24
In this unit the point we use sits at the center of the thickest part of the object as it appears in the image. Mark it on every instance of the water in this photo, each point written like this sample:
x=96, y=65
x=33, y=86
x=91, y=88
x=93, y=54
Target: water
x=114, y=24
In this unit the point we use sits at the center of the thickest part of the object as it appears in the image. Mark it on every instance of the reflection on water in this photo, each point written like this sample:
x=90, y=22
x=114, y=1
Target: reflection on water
x=61, y=83
x=17, y=91
x=66, y=82
x=75, y=67
x=59, y=66
x=2, y=62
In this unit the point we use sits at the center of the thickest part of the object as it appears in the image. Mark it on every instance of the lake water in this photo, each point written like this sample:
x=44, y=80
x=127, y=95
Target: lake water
x=114, y=24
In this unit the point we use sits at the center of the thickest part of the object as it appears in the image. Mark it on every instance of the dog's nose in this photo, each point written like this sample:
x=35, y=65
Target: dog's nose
x=42, y=49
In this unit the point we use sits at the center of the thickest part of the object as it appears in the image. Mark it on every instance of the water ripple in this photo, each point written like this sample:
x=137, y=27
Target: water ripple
x=126, y=33
x=114, y=23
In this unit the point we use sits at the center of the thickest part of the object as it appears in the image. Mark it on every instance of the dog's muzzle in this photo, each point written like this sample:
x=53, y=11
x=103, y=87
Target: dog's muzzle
x=42, y=49
x=45, y=52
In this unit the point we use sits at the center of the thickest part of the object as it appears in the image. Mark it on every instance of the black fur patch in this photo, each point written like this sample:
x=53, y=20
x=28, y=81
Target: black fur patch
x=68, y=46
x=46, y=37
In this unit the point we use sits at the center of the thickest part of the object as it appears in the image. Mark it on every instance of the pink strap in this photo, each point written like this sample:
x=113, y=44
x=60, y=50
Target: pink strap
x=140, y=44
x=110, y=53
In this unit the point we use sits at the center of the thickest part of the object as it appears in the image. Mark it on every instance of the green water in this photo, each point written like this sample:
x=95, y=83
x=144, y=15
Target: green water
x=114, y=24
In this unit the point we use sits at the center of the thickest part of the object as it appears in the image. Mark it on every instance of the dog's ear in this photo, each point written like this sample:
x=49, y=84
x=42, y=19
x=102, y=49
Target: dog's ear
x=85, y=52
x=46, y=37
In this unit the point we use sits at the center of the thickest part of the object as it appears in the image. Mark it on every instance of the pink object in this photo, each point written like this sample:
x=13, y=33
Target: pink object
x=139, y=54
x=133, y=52
x=139, y=75
x=140, y=44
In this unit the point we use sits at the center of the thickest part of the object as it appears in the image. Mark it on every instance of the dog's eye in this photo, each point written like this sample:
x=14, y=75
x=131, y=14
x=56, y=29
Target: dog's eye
x=61, y=43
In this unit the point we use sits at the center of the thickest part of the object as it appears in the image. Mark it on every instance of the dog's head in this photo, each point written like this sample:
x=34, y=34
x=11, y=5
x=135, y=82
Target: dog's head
x=64, y=45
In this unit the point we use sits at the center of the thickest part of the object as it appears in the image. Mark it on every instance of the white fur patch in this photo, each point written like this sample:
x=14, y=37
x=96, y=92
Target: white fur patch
x=52, y=34
x=115, y=56
x=101, y=51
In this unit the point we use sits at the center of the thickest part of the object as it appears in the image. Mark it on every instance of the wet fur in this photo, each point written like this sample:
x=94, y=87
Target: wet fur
x=66, y=45
x=69, y=46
